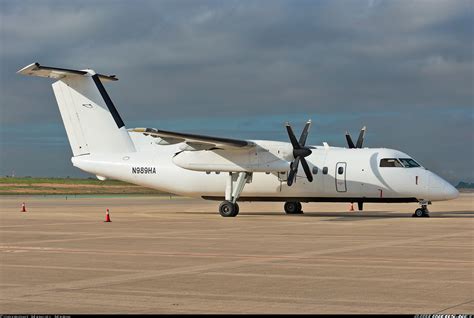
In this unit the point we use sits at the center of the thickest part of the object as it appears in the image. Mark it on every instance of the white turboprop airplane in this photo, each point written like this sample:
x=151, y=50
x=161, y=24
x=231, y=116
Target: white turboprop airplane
x=231, y=170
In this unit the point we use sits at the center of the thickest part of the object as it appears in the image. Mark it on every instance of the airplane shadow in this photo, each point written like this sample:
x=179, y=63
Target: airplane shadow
x=384, y=215
x=352, y=216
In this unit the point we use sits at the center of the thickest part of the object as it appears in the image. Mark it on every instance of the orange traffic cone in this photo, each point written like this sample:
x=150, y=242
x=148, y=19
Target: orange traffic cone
x=352, y=206
x=23, y=207
x=107, y=216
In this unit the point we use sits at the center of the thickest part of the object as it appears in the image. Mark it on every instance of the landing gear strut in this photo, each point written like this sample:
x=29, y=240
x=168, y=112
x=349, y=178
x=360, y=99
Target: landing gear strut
x=293, y=208
x=230, y=208
x=423, y=211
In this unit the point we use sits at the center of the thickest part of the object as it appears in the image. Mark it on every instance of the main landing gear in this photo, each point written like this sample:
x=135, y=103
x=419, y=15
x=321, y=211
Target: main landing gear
x=293, y=208
x=423, y=211
x=228, y=209
x=234, y=186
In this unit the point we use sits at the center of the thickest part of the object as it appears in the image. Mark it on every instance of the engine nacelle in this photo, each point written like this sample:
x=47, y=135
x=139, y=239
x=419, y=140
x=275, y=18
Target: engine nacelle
x=264, y=157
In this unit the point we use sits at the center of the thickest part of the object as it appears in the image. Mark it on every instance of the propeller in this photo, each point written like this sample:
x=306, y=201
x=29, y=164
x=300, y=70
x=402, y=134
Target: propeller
x=360, y=140
x=299, y=153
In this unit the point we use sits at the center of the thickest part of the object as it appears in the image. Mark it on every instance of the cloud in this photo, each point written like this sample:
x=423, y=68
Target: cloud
x=180, y=59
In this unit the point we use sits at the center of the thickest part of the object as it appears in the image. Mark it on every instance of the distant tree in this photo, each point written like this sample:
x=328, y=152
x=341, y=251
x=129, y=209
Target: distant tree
x=465, y=185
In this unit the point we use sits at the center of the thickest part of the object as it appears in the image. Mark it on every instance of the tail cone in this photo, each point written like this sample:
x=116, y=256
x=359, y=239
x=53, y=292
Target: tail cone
x=107, y=216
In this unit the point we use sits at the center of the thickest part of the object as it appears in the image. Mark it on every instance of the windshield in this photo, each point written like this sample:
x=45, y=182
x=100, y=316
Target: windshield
x=390, y=162
x=409, y=163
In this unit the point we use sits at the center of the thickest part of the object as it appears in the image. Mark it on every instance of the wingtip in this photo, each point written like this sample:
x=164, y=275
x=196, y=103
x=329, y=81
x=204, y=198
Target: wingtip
x=28, y=67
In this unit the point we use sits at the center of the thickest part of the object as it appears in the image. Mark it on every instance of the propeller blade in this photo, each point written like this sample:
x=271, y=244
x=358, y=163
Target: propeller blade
x=295, y=163
x=350, y=143
x=360, y=140
x=293, y=171
x=306, y=170
x=360, y=205
x=294, y=141
x=291, y=176
x=304, y=134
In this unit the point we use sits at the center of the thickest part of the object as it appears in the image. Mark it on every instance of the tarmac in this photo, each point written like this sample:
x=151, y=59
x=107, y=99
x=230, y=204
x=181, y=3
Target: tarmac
x=178, y=255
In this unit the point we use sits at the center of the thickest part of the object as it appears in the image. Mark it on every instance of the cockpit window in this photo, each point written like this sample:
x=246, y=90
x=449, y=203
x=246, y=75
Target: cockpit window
x=390, y=162
x=409, y=163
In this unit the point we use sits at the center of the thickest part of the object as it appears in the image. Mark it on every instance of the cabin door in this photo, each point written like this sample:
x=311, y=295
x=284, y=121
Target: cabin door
x=341, y=177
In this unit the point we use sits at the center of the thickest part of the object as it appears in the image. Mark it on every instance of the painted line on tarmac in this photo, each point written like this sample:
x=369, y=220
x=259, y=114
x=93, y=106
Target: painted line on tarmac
x=21, y=292
x=46, y=224
x=336, y=278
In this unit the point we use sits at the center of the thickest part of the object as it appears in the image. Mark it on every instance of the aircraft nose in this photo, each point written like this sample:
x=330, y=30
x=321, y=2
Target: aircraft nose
x=441, y=189
x=450, y=192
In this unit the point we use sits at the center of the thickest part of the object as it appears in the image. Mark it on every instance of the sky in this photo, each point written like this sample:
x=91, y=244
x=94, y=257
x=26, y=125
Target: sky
x=241, y=69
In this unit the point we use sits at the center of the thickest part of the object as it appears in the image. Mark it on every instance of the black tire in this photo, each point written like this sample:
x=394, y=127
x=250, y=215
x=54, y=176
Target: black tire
x=419, y=213
x=227, y=209
x=300, y=208
x=236, y=206
x=292, y=207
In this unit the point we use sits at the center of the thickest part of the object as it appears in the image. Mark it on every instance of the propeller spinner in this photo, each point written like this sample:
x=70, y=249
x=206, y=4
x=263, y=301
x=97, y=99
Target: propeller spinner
x=299, y=153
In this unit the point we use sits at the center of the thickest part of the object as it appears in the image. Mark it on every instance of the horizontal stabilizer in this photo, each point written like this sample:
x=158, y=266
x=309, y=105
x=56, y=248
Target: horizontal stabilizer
x=36, y=69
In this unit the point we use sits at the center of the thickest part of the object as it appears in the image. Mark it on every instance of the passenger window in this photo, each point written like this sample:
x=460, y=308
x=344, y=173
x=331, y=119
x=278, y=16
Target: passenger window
x=325, y=170
x=315, y=170
x=409, y=163
x=392, y=162
x=340, y=170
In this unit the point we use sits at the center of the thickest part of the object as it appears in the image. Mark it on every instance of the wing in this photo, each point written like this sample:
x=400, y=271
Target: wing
x=196, y=142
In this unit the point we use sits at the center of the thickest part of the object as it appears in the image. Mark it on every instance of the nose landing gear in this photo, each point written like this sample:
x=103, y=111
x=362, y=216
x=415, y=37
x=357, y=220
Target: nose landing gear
x=423, y=211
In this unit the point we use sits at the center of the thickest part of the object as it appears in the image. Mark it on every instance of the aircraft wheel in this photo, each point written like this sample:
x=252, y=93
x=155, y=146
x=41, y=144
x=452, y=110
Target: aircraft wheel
x=236, y=206
x=293, y=207
x=228, y=209
x=419, y=213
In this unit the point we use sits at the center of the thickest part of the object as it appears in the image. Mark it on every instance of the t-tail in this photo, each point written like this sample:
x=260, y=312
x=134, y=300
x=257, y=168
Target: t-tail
x=93, y=124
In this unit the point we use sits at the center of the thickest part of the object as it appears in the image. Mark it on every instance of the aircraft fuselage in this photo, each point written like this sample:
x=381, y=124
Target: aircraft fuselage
x=340, y=174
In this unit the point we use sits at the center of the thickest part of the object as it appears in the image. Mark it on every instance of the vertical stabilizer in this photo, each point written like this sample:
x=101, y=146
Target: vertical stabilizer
x=90, y=118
